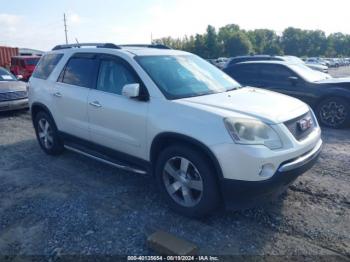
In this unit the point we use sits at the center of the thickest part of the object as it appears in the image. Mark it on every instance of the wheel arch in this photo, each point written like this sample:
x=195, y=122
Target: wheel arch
x=343, y=96
x=39, y=107
x=163, y=140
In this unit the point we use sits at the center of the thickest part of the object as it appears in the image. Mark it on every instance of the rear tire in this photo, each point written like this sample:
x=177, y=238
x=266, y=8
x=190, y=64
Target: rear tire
x=47, y=134
x=334, y=112
x=187, y=181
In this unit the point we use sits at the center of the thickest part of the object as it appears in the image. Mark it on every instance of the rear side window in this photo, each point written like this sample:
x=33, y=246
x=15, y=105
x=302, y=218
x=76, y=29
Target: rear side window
x=79, y=71
x=46, y=65
x=244, y=72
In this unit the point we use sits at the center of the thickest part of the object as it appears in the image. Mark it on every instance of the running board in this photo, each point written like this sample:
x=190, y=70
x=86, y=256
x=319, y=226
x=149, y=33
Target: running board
x=123, y=167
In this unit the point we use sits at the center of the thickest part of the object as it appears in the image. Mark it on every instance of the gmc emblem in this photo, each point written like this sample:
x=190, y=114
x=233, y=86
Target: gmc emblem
x=304, y=124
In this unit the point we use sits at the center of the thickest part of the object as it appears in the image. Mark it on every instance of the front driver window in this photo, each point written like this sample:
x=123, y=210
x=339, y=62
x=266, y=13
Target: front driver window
x=276, y=73
x=113, y=76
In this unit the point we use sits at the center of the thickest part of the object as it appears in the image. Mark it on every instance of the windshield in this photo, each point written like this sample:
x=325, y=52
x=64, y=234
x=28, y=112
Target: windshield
x=6, y=75
x=186, y=76
x=309, y=74
x=32, y=61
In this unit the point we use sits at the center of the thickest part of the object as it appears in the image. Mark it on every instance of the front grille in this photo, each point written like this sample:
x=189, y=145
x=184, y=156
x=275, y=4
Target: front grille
x=9, y=96
x=294, y=127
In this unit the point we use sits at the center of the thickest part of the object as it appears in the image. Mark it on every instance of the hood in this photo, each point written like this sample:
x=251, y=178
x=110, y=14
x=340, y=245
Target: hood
x=316, y=66
x=341, y=82
x=265, y=105
x=10, y=86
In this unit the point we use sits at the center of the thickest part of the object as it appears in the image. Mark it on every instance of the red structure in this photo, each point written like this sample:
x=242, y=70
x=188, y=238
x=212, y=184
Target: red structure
x=5, y=55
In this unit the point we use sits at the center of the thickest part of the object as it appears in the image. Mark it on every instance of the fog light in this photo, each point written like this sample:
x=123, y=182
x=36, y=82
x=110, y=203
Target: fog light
x=267, y=170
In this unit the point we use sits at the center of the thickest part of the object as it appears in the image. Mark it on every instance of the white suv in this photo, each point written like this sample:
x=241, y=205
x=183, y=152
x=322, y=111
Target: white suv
x=149, y=109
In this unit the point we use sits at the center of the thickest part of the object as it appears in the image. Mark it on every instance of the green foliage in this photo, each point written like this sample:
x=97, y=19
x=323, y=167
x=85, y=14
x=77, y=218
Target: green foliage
x=237, y=44
x=265, y=41
x=231, y=40
x=211, y=42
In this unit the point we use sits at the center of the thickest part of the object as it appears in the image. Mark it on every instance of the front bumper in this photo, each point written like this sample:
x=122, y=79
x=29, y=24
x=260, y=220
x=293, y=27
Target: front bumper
x=14, y=105
x=239, y=194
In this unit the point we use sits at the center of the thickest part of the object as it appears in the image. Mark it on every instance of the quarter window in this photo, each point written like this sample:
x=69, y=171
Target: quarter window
x=46, y=65
x=113, y=76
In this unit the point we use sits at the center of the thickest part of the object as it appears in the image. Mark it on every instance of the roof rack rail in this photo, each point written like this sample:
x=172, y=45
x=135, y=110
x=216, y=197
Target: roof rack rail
x=158, y=46
x=97, y=45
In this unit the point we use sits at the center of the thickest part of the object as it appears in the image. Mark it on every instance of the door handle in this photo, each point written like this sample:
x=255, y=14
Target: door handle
x=57, y=94
x=95, y=104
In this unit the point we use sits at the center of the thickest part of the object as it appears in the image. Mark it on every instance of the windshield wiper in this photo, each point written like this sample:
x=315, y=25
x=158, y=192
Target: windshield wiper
x=233, y=88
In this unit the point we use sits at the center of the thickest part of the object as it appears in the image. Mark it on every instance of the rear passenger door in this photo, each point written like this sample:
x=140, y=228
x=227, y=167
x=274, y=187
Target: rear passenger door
x=70, y=94
x=116, y=121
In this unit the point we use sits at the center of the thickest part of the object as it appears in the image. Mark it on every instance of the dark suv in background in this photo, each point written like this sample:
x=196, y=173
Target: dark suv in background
x=329, y=97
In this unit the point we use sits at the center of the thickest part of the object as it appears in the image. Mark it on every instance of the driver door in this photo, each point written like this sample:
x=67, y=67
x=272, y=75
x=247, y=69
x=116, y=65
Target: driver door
x=282, y=79
x=116, y=121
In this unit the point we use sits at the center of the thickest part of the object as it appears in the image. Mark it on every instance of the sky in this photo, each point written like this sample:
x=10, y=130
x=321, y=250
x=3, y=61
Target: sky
x=39, y=24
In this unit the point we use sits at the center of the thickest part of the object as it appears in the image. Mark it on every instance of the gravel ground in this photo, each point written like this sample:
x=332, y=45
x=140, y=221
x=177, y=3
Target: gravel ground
x=72, y=205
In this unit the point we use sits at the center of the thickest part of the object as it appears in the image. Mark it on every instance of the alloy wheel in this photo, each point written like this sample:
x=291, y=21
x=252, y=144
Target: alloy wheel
x=183, y=181
x=45, y=133
x=333, y=113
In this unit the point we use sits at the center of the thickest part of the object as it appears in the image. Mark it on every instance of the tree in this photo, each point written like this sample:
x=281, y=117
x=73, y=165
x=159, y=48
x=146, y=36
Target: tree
x=265, y=41
x=226, y=31
x=292, y=41
x=211, y=42
x=199, y=46
x=230, y=40
x=237, y=44
x=316, y=43
x=340, y=44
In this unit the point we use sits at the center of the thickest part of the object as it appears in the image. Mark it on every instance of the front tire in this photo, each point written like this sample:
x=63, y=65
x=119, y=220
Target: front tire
x=187, y=181
x=47, y=134
x=334, y=112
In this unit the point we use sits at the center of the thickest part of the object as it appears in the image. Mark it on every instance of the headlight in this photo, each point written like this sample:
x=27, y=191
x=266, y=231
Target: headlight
x=252, y=132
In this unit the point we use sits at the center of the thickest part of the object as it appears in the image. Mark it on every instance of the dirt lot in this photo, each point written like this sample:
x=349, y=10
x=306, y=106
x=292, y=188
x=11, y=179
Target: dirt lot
x=72, y=205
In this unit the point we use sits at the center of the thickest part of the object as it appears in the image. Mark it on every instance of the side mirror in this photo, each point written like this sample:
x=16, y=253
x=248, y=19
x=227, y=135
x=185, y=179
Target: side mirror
x=294, y=80
x=19, y=77
x=131, y=90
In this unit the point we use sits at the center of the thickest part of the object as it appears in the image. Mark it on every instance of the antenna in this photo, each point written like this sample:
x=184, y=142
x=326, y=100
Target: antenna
x=65, y=27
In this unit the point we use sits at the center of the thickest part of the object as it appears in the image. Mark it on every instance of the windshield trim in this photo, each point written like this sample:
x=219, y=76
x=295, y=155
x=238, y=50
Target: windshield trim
x=175, y=97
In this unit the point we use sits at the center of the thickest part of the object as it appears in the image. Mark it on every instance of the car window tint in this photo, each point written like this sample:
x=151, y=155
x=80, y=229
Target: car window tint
x=242, y=72
x=80, y=71
x=113, y=76
x=275, y=72
x=46, y=65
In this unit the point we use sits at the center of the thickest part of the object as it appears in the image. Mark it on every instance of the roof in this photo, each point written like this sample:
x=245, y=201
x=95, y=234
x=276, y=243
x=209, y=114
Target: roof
x=128, y=50
x=144, y=51
x=268, y=62
x=251, y=56
x=135, y=50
